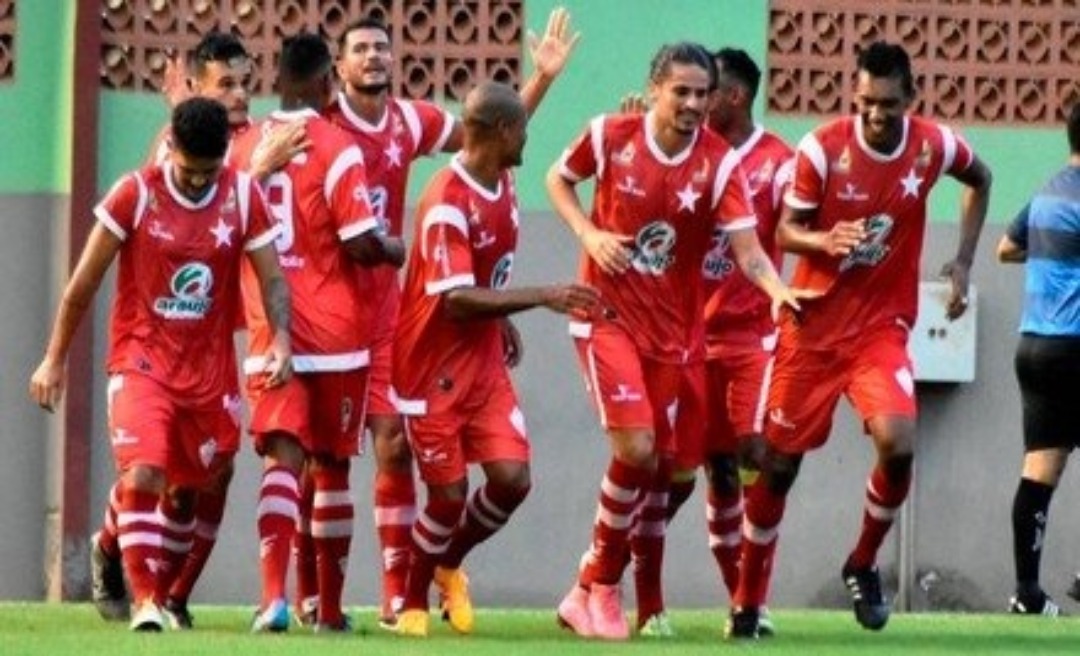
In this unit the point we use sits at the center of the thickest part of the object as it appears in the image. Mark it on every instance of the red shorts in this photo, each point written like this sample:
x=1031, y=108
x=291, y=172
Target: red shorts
x=323, y=410
x=628, y=389
x=738, y=384
x=382, y=353
x=148, y=426
x=486, y=425
x=874, y=372
x=690, y=442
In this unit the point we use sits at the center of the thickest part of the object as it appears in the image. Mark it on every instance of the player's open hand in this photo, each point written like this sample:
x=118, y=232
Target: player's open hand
x=572, y=297
x=47, y=384
x=277, y=147
x=609, y=250
x=278, y=366
x=791, y=297
x=633, y=103
x=550, y=54
x=958, y=273
x=844, y=236
x=174, y=80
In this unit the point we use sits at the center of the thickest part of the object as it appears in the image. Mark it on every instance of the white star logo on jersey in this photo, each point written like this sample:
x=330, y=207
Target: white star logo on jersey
x=222, y=233
x=393, y=153
x=911, y=183
x=688, y=197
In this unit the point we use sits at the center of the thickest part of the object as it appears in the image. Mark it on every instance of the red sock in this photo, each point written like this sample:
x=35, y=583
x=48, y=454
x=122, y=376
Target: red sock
x=331, y=531
x=177, y=532
x=619, y=494
x=764, y=510
x=209, y=511
x=395, y=512
x=140, y=530
x=107, y=537
x=431, y=536
x=307, y=579
x=883, y=501
x=647, y=540
x=277, y=513
x=724, y=516
x=487, y=511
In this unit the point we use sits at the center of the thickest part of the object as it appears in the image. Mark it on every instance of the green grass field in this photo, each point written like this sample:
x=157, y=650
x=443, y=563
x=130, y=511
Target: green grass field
x=75, y=629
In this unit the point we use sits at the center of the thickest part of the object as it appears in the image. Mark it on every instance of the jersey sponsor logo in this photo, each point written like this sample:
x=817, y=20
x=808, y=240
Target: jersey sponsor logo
x=483, y=240
x=432, y=455
x=625, y=394
x=159, y=231
x=500, y=275
x=851, y=193
x=653, y=247
x=873, y=249
x=717, y=265
x=629, y=186
x=190, y=287
x=121, y=437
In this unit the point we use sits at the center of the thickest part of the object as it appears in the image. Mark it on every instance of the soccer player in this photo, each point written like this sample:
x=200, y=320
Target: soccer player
x=663, y=185
x=182, y=230
x=455, y=337
x=393, y=133
x=1044, y=236
x=320, y=199
x=855, y=215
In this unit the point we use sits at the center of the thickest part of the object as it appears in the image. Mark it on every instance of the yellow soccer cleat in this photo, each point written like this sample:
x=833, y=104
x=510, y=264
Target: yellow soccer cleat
x=412, y=623
x=457, y=607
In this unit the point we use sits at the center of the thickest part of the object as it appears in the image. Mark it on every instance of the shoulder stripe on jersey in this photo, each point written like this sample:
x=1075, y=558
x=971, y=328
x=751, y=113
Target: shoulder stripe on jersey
x=358, y=228
x=110, y=223
x=412, y=121
x=813, y=150
x=144, y=198
x=785, y=173
x=442, y=214
x=596, y=138
x=446, y=284
x=565, y=172
x=448, y=128
x=345, y=160
x=948, y=143
x=243, y=193
x=728, y=164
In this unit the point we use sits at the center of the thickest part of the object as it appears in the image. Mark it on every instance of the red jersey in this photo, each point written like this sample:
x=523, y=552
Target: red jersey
x=465, y=236
x=732, y=299
x=670, y=205
x=178, y=284
x=320, y=200
x=837, y=173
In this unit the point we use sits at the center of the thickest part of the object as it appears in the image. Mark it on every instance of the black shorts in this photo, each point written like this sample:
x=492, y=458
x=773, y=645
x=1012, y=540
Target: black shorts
x=1048, y=371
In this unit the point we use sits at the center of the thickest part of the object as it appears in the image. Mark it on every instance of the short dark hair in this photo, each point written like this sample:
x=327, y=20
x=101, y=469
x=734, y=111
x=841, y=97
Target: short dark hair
x=219, y=47
x=304, y=56
x=884, y=59
x=200, y=128
x=738, y=64
x=1073, y=125
x=683, y=52
x=368, y=23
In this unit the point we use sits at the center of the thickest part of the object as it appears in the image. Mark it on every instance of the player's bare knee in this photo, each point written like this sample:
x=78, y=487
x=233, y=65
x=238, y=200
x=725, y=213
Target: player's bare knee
x=145, y=478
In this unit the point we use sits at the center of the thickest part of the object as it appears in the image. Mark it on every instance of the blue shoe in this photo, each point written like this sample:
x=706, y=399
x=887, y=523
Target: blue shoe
x=273, y=619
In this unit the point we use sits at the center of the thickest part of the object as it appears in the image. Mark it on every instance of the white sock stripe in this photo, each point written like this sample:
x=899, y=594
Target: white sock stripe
x=879, y=512
x=169, y=524
x=140, y=538
x=334, y=528
x=426, y=545
x=275, y=505
x=732, y=539
x=433, y=527
x=757, y=535
x=325, y=499
x=617, y=493
x=282, y=478
x=619, y=522
x=125, y=519
x=395, y=515
x=484, y=503
x=114, y=498
x=206, y=530
x=175, y=546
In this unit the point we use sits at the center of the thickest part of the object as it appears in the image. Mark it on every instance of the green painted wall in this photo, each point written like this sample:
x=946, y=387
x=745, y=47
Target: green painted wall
x=35, y=107
x=619, y=39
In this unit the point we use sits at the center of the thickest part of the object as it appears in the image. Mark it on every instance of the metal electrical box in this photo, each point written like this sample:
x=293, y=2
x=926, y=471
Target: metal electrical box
x=943, y=351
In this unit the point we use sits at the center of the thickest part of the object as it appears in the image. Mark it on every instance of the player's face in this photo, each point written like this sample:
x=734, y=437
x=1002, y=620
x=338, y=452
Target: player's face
x=227, y=83
x=514, y=138
x=681, y=100
x=193, y=176
x=723, y=104
x=365, y=61
x=881, y=104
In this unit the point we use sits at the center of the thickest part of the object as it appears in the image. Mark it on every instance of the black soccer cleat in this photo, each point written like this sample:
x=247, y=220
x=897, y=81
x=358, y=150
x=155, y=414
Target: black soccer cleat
x=867, y=600
x=178, y=615
x=107, y=588
x=743, y=624
x=1037, y=604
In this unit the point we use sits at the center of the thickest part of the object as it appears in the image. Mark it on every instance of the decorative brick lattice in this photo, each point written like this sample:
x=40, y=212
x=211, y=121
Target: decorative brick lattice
x=7, y=40
x=975, y=61
x=442, y=47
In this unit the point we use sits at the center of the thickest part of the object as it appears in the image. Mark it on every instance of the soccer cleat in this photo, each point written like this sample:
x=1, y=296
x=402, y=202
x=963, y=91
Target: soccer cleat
x=766, y=628
x=307, y=611
x=573, y=612
x=871, y=609
x=743, y=624
x=107, y=583
x=1074, y=589
x=606, y=613
x=457, y=607
x=412, y=623
x=342, y=626
x=178, y=615
x=272, y=619
x=389, y=613
x=1041, y=604
x=657, y=627
x=147, y=617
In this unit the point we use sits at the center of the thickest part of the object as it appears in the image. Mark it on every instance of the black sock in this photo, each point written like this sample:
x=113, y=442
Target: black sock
x=1031, y=507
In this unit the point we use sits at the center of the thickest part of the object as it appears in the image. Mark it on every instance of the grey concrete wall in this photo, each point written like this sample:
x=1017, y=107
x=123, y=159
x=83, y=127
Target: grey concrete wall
x=968, y=461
